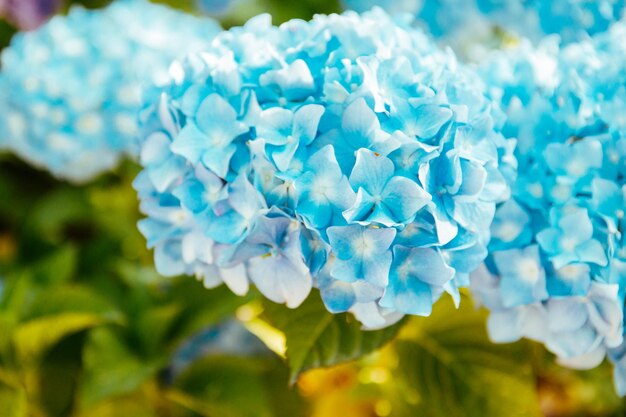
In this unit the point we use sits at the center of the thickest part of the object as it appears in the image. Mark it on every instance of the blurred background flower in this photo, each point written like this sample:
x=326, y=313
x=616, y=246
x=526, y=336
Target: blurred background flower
x=473, y=26
x=28, y=14
x=557, y=254
x=76, y=119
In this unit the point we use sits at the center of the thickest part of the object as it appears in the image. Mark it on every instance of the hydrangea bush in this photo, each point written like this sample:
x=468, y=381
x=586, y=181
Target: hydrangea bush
x=462, y=23
x=70, y=91
x=556, y=271
x=345, y=153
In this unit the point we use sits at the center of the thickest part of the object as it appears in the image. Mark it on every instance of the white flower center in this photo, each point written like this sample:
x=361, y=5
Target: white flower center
x=569, y=272
x=364, y=246
x=576, y=168
x=568, y=244
x=89, y=124
x=404, y=270
x=561, y=192
x=536, y=190
x=508, y=231
x=528, y=270
x=319, y=188
x=125, y=124
x=178, y=217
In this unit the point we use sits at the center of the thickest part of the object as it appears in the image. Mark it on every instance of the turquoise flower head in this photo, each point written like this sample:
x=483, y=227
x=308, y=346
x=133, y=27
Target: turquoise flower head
x=556, y=270
x=71, y=91
x=347, y=153
x=469, y=26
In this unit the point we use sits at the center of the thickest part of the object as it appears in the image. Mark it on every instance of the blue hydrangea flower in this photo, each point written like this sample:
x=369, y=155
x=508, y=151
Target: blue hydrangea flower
x=71, y=90
x=317, y=154
x=465, y=24
x=556, y=267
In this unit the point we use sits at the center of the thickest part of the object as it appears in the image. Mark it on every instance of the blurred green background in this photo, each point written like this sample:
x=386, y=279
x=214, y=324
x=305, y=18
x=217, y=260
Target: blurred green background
x=87, y=327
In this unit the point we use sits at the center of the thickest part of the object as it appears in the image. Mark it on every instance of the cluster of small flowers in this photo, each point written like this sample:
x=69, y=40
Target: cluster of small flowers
x=70, y=91
x=556, y=270
x=461, y=23
x=346, y=153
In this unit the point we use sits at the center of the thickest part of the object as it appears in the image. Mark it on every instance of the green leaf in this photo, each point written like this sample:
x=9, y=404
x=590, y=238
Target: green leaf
x=111, y=369
x=317, y=338
x=57, y=209
x=154, y=324
x=68, y=299
x=133, y=406
x=450, y=368
x=204, y=307
x=33, y=338
x=13, y=402
x=58, y=267
x=225, y=386
x=57, y=375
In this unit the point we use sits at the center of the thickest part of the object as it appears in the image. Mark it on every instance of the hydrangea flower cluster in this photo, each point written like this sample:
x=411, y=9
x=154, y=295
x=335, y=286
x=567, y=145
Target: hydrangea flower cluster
x=459, y=22
x=70, y=91
x=556, y=271
x=345, y=153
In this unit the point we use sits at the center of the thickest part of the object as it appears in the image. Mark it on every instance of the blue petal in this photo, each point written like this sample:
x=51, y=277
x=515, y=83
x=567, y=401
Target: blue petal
x=215, y=113
x=523, y=279
x=218, y=160
x=306, y=121
x=429, y=119
x=294, y=81
x=404, y=198
x=410, y=296
x=371, y=172
x=190, y=143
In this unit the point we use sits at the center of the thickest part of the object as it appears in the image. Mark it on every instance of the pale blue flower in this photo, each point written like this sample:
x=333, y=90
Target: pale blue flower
x=231, y=219
x=274, y=259
x=575, y=160
x=209, y=135
x=415, y=275
x=323, y=191
x=284, y=132
x=362, y=253
x=466, y=23
x=360, y=129
x=310, y=155
x=568, y=200
x=71, y=90
x=523, y=279
x=381, y=197
x=511, y=227
x=570, y=239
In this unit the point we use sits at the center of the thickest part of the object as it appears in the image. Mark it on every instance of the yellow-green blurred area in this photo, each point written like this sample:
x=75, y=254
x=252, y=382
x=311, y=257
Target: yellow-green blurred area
x=88, y=328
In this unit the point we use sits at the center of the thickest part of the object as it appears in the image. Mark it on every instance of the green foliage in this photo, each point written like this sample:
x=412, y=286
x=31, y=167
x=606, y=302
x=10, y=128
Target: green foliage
x=237, y=387
x=90, y=329
x=317, y=338
x=451, y=368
